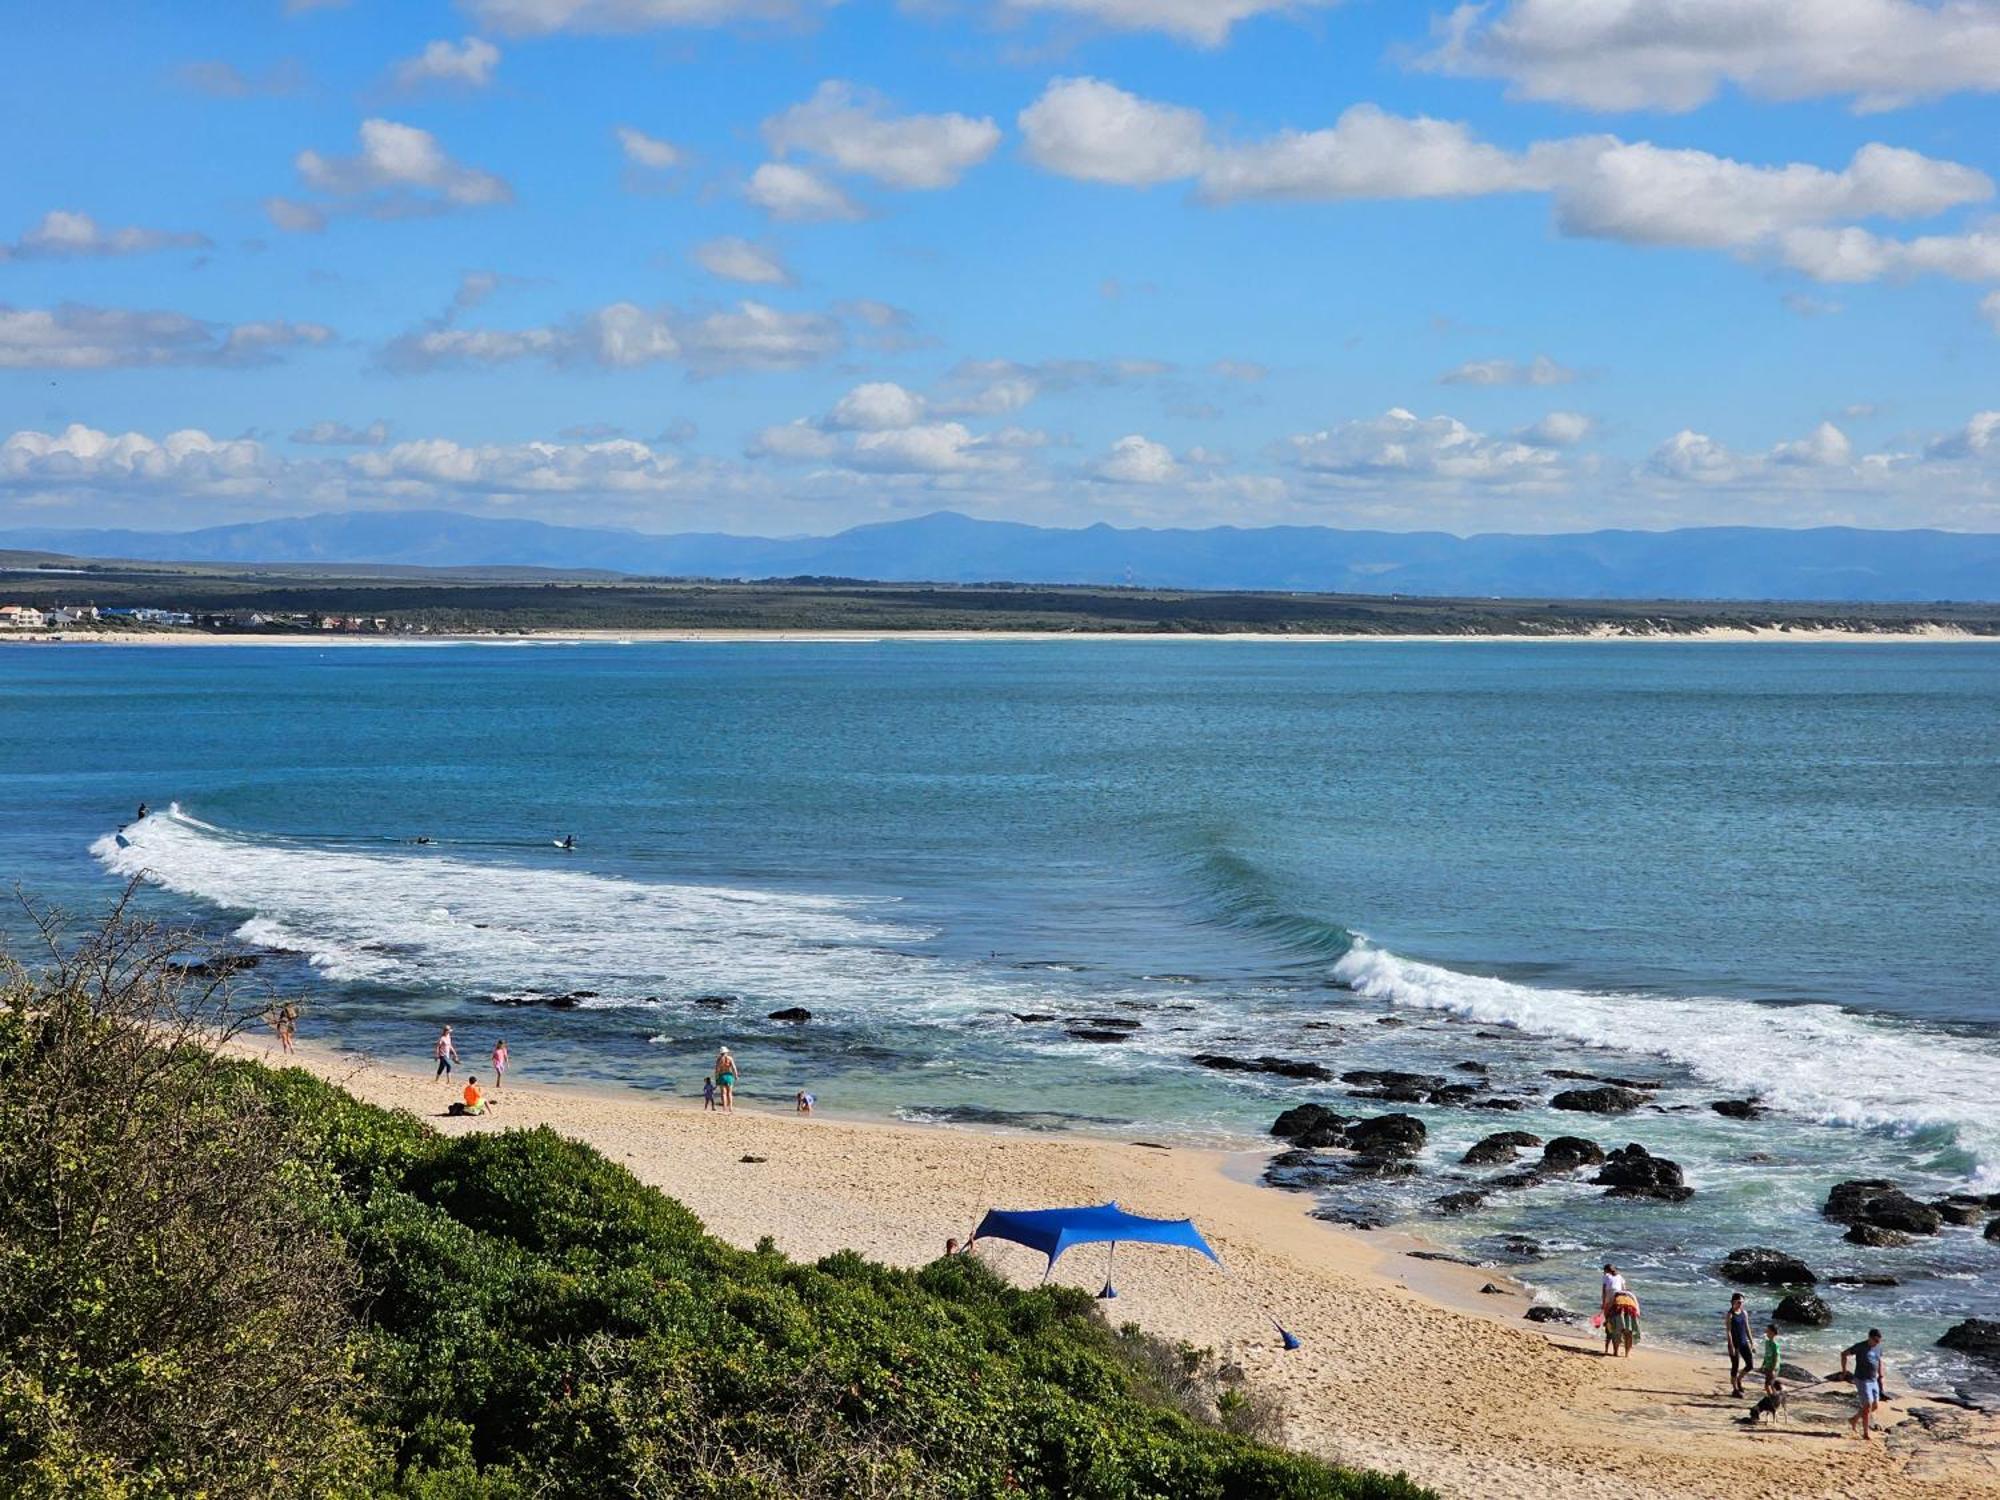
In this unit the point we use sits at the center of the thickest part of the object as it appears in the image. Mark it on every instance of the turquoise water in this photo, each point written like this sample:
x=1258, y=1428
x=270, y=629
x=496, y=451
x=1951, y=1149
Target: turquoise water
x=1732, y=869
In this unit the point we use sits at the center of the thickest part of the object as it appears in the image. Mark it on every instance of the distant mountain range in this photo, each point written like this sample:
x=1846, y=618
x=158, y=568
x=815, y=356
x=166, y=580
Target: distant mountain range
x=1838, y=564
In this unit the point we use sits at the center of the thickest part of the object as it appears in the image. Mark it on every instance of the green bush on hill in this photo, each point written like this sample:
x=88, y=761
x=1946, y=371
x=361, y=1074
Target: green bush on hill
x=222, y=1280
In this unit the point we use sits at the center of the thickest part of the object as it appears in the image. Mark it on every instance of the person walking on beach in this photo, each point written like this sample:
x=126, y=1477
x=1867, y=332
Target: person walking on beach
x=725, y=1079
x=1612, y=1286
x=1867, y=1358
x=1736, y=1330
x=446, y=1052
x=1772, y=1357
x=287, y=1027
x=499, y=1063
x=1621, y=1314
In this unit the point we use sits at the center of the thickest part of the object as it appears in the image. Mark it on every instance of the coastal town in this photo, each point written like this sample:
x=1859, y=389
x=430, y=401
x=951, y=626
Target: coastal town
x=90, y=619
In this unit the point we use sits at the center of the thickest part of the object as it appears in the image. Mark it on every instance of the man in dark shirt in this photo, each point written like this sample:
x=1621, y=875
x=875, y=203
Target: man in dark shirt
x=1867, y=1358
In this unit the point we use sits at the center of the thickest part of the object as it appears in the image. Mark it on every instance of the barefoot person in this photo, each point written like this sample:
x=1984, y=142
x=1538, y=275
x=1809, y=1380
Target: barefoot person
x=1772, y=1356
x=725, y=1079
x=499, y=1063
x=446, y=1052
x=1613, y=1284
x=1867, y=1358
x=1736, y=1332
x=1621, y=1320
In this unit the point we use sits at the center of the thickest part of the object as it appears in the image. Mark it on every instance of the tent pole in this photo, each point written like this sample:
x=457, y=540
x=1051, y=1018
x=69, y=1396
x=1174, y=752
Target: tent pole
x=1110, y=1257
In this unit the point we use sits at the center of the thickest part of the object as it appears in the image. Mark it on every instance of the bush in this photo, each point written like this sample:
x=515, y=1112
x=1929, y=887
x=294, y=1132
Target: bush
x=361, y=1307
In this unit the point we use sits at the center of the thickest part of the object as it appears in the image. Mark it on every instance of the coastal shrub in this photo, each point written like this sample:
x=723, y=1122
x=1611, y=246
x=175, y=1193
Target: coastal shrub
x=221, y=1279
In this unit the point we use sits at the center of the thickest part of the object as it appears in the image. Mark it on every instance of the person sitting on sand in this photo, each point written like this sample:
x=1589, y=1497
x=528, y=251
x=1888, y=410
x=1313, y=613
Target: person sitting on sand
x=1736, y=1332
x=1867, y=1358
x=1772, y=1357
x=805, y=1102
x=472, y=1101
x=446, y=1052
x=725, y=1079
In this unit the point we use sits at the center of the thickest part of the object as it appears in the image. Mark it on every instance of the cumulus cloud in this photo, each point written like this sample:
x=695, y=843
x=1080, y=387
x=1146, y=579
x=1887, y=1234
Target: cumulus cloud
x=1559, y=429
x=648, y=151
x=852, y=129
x=1136, y=459
x=1621, y=55
x=66, y=235
x=1400, y=446
x=1853, y=254
x=328, y=434
x=546, y=17
x=1825, y=456
x=80, y=455
x=1541, y=370
x=465, y=64
x=736, y=259
x=1097, y=132
x=798, y=194
x=76, y=337
x=1206, y=23
x=625, y=335
x=875, y=407
x=399, y=170
x=993, y=387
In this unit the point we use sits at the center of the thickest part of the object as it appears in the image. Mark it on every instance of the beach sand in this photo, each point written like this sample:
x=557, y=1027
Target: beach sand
x=1405, y=1363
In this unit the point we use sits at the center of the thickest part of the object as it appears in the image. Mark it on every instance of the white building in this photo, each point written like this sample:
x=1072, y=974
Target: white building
x=22, y=617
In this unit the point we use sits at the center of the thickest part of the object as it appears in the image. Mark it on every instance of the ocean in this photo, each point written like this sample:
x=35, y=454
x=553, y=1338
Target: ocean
x=1723, y=869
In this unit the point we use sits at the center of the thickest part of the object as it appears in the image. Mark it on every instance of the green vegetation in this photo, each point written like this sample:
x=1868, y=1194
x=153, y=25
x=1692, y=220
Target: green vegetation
x=459, y=600
x=221, y=1280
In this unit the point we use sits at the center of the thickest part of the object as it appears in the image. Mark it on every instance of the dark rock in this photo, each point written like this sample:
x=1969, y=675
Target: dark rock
x=1444, y=1256
x=754, y=1159
x=1322, y=1138
x=565, y=1002
x=1958, y=1211
x=1454, y=1094
x=1634, y=1172
x=1568, y=1152
x=1543, y=1313
x=1502, y=1146
x=1459, y=1203
x=1300, y=1118
x=1737, y=1109
x=1845, y=1201
x=1527, y=1177
x=1607, y=1100
x=1498, y=1101
x=1471, y=1067
x=1491, y=1290
x=1623, y=1083
x=1522, y=1246
x=1283, y=1067
x=1092, y=1034
x=1877, y=1201
x=1295, y=1159
x=1876, y=1237
x=1390, y=1021
x=797, y=1014
x=221, y=966
x=1807, y=1308
x=1860, y=1280
x=1387, y=1135
x=1106, y=1023
x=1379, y=1166
x=1388, y=1078
x=1978, y=1337
x=1350, y=1218
x=1797, y=1375
x=1394, y=1093
x=1993, y=1230
x=1032, y=1015
x=723, y=1002
x=1758, y=1266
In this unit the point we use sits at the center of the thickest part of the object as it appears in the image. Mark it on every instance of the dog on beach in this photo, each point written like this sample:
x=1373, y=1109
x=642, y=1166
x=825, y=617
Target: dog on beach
x=1771, y=1407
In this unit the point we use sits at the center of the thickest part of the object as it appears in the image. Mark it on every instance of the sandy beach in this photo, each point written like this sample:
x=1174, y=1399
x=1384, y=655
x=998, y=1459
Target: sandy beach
x=1406, y=1363
x=1715, y=634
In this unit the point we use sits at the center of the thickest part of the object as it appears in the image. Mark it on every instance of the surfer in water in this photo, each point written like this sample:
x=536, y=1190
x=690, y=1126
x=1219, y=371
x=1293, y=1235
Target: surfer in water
x=567, y=841
x=140, y=815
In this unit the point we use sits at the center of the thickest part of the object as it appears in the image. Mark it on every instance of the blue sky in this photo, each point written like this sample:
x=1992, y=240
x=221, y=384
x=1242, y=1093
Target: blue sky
x=789, y=265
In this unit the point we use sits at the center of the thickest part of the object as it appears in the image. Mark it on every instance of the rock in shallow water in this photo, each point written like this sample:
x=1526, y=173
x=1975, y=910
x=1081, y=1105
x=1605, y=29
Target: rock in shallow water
x=1805, y=1308
x=1877, y=1201
x=1282, y=1067
x=1546, y=1314
x=1608, y=1100
x=1500, y=1147
x=797, y=1014
x=1634, y=1172
x=1737, y=1109
x=1453, y=1204
x=1757, y=1265
x=1387, y=1135
x=1301, y=1118
x=1978, y=1337
x=1568, y=1152
x=1875, y=1237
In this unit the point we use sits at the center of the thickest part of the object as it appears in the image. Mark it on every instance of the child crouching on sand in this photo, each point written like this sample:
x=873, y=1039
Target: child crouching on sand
x=805, y=1102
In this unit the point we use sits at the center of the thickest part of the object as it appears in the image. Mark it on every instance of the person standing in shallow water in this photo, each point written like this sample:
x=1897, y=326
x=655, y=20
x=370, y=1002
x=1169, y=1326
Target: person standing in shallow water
x=725, y=1079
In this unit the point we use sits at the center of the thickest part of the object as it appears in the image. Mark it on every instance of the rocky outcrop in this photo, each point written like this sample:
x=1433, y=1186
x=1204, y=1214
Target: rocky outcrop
x=1609, y=1099
x=1094, y=1034
x=797, y=1014
x=1634, y=1172
x=1302, y=1118
x=1978, y=1337
x=1499, y=1148
x=1759, y=1266
x=1568, y=1152
x=1807, y=1309
x=1960, y=1210
x=1387, y=1135
x=1737, y=1109
x=1877, y=1201
x=1993, y=1230
x=1543, y=1313
x=1465, y=1202
x=1875, y=1237
x=1282, y=1067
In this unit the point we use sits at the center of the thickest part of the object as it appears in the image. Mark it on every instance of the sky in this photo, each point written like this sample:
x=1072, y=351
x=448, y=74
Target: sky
x=787, y=266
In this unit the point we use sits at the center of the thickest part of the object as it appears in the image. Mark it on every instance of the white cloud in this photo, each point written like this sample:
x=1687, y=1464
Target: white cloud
x=798, y=194
x=1366, y=153
x=1629, y=54
x=399, y=170
x=624, y=335
x=1400, y=446
x=545, y=17
x=1541, y=370
x=80, y=455
x=328, y=434
x=1979, y=438
x=1097, y=132
x=648, y=151
x=1204, y=22
x=1825, y=447
x=1824, y=455
x=1694, y=456
x=736, y=259
x=994, y=387
x=851, y=129
x=876, y=406
x=1559, y=429
x=1136, y=459
x=76, y=337
x=1853, y=254
x=66, y=235
x=468, y=64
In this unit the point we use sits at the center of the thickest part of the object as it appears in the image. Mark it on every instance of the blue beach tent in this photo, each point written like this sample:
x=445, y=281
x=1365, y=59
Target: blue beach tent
x=1054, y=1230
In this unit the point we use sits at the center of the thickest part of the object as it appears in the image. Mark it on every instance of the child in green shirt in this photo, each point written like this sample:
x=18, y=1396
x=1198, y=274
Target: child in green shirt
x=1771, y=1356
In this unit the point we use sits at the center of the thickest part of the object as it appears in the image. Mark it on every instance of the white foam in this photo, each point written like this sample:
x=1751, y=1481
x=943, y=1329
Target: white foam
x=420, y=917
x=1815, y=1061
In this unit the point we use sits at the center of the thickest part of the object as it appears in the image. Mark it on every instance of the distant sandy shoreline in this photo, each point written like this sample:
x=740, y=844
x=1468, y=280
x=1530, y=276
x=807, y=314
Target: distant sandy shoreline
x=1927, y=633
x=1406, y=1363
